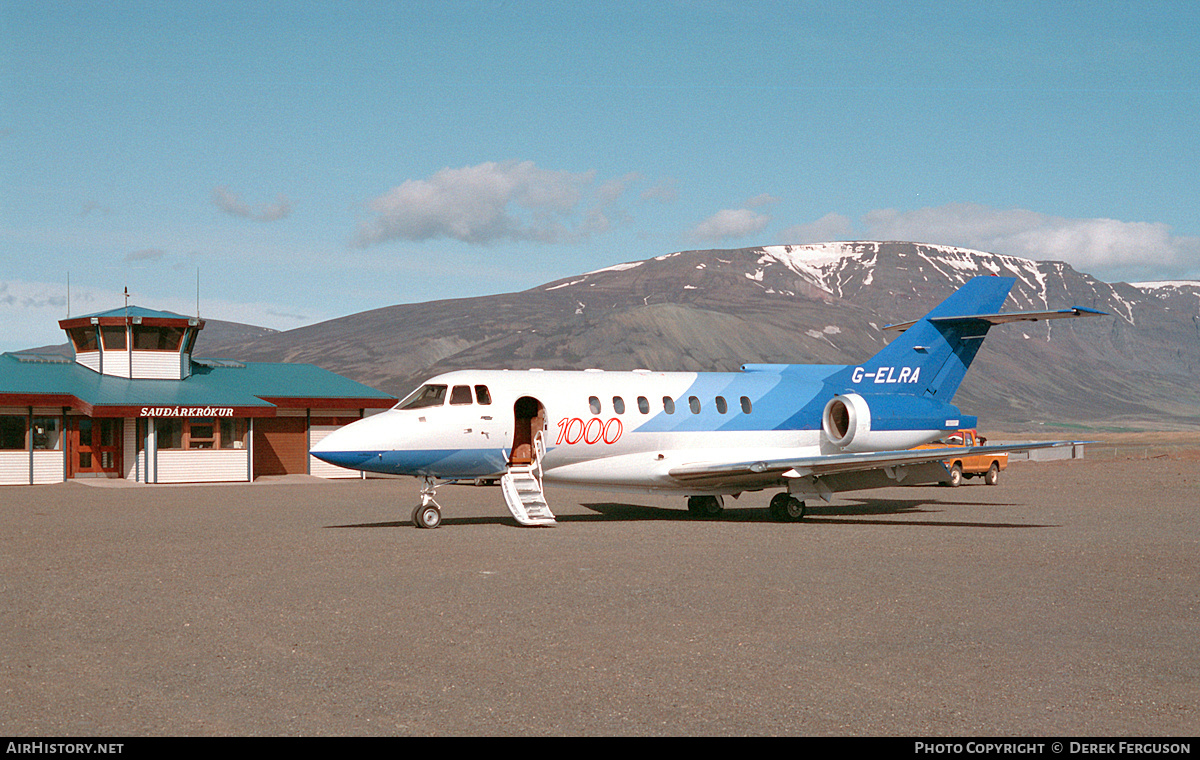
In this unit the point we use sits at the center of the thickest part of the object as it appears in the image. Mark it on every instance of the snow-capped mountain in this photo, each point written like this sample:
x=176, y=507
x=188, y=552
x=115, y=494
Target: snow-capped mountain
x=827, y=303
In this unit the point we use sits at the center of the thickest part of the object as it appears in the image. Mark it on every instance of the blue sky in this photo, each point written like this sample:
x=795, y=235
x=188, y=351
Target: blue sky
x=306, y=160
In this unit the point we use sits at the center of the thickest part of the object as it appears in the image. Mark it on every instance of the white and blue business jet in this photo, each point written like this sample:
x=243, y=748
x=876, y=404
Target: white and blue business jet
x=810, y=430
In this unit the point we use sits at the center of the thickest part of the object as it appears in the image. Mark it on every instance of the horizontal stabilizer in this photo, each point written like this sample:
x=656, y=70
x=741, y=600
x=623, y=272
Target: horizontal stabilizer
x=1000, y=319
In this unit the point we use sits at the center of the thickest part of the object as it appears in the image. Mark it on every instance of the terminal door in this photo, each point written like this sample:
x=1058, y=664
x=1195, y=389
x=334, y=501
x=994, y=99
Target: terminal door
x=94, y=447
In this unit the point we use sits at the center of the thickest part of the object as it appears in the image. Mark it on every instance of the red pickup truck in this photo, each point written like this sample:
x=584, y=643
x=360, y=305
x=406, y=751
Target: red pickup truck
x=987, y=465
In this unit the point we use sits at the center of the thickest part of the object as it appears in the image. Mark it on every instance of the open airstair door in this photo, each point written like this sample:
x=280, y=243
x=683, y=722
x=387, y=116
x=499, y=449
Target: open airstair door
x=523, y=493
x=522, y=483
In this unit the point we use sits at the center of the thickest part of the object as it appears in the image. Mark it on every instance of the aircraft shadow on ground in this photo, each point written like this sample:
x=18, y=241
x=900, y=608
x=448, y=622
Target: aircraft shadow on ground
x=832, y=514
x=850, y=514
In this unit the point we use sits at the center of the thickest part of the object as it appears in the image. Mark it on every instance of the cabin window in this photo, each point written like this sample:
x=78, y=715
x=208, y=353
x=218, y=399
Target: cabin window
x=668, y=405
x=618, y=405
x=460, y=395
x=114, y=337
x=722, y=407
x=84, y=338
x=643, y=405
x=482, y=395
x=746, y=407
x=594, y=404
x=694, y=404
x=426, y=395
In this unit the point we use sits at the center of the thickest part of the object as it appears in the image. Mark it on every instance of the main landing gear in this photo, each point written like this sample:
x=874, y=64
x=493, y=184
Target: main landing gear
x=786, y=508
x=706, y=506
x=428, y=514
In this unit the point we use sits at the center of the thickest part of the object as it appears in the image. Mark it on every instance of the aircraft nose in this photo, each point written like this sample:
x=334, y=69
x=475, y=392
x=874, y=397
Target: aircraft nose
x=349, y=459
x=344, y=447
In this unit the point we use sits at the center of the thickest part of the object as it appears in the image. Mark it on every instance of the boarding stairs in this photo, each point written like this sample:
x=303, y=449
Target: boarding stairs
x=522, y=487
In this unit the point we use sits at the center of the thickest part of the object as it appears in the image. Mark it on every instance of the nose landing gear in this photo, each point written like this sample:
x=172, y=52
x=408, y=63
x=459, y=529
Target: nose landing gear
x=427, y=514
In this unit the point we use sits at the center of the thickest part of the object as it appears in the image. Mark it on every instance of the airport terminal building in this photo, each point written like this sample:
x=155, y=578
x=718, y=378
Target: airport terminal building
x=134, y=403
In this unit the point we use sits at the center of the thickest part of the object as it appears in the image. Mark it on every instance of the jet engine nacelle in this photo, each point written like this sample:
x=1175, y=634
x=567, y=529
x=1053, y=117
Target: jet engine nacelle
x=856, y=424
x=847, y=422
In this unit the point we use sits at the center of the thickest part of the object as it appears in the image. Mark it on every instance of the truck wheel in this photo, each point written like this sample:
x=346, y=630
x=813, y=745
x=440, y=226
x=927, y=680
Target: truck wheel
x=993, y=474
x=956, y=475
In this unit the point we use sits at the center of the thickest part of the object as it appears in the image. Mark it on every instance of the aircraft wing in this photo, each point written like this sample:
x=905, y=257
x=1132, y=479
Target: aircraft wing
x=765, y=472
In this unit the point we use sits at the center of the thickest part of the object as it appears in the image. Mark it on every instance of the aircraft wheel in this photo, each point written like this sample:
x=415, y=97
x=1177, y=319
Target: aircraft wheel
x=793, y=510
x=777, y=509
x=427, y=516
x=993, y=475
x=956, y=476
x=705, y=506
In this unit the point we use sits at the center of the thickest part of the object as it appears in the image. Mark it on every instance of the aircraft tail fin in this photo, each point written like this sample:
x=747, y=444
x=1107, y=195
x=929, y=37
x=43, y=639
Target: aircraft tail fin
x=932, y=354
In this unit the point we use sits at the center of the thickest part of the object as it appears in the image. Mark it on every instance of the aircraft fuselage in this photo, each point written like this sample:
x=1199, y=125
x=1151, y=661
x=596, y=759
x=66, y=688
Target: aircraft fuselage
x=614, y=429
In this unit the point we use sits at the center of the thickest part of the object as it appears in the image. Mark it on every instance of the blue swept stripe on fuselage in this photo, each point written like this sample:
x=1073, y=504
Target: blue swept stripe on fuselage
x=773, y=403
x=449, y=464
x=792, y=398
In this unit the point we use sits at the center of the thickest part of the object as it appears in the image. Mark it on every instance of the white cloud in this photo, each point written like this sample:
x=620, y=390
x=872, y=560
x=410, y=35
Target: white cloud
x=30, y=311
x=494, y=202
x=96, y=206
x=666, y=191
x=611, y=191
x=146, y=254
x=1107, y=247
x=827, y=228
x=763, y=199
x=231, y=203
x=22, y=295
x=596, y=219
x=729, y=223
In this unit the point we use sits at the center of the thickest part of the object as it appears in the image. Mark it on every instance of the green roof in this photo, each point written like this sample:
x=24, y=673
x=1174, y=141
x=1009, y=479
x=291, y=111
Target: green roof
x=25, y=381
x=134, y=311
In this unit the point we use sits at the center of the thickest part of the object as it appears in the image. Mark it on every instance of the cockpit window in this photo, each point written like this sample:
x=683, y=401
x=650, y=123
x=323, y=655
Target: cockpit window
x=482, y=395
x=426, y=395
x=460, y=395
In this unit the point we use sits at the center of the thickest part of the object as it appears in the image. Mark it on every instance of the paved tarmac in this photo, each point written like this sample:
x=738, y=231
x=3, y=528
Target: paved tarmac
x=1063, y=602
